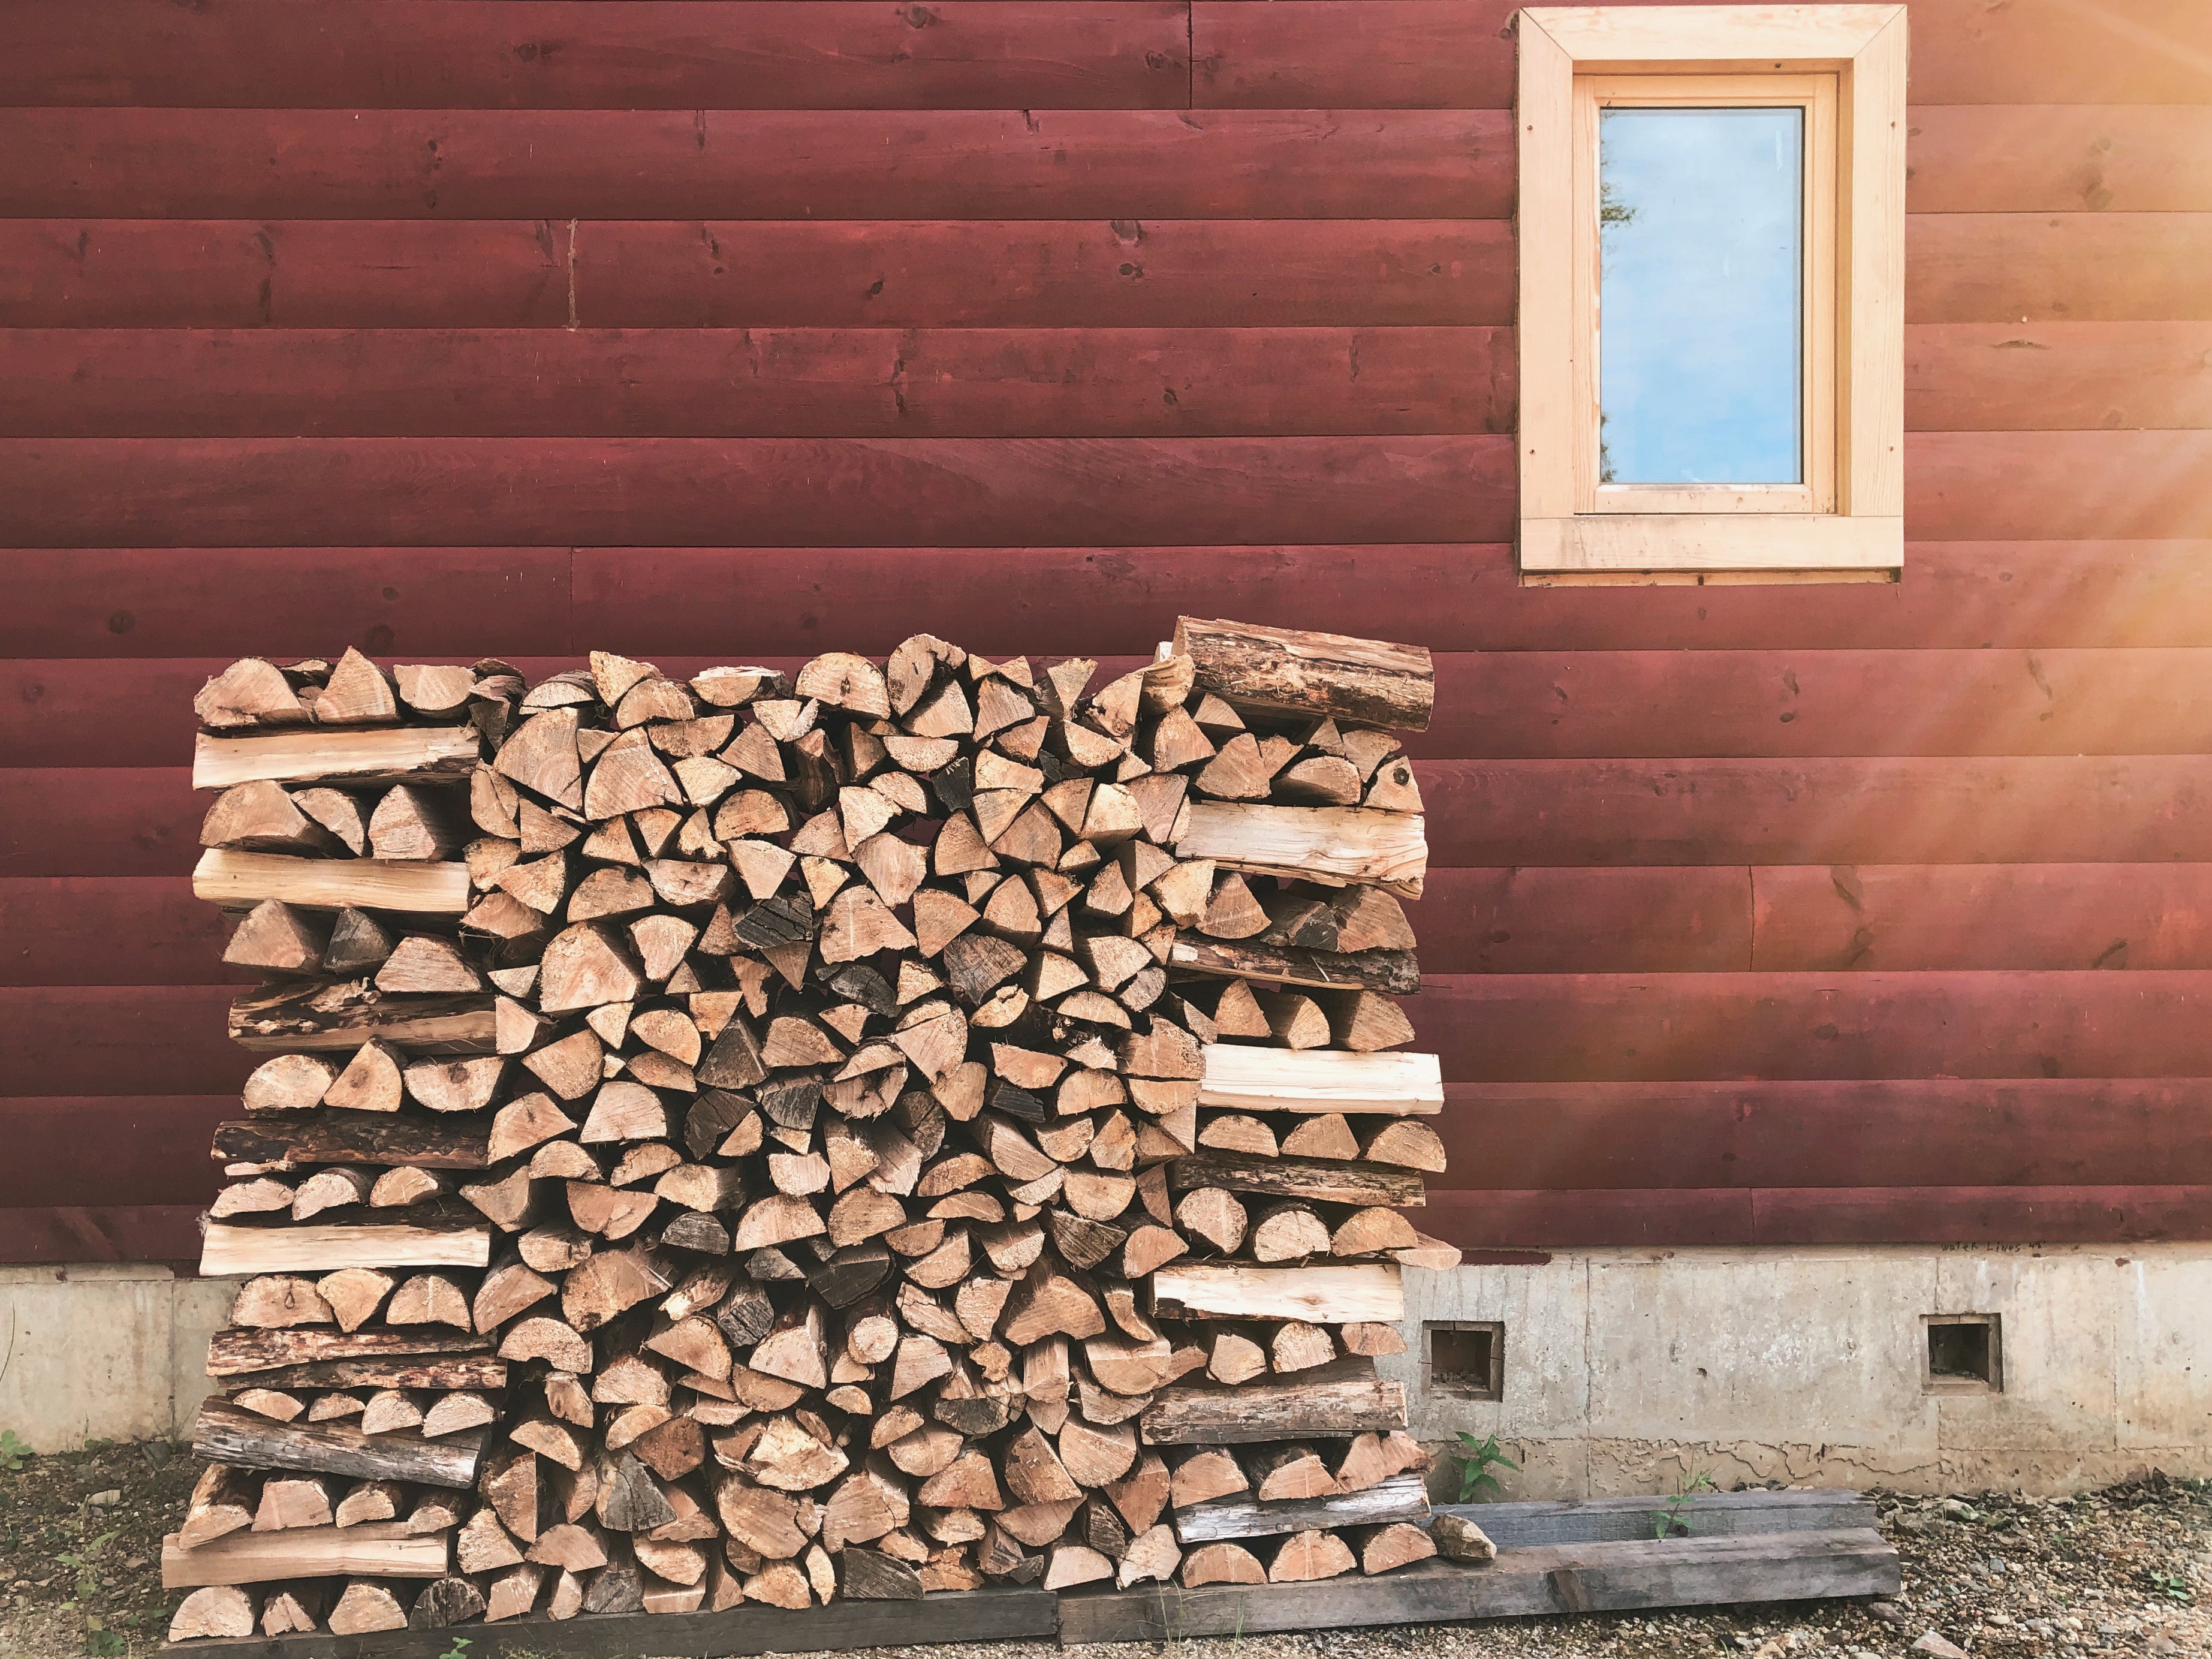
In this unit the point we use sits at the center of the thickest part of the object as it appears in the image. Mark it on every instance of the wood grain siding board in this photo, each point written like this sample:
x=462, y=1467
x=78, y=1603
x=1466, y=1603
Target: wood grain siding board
x=1119, y=273
x=1996, y=486
x=1566, y=1028
x=789, y=492
x=65, y=382
x=1817, y=918
x=1959, y=596
x=1073, y=382
x=1801, y=1215
x=455, y=602
x=99, y=821
x=1459, y=53
x=573, y=54
x=111, y=930
x=111, y=1149
x=1535, y=920
x=1127, y=272
x=2019, y=810
x=2054, y=917
x=2056, y=267
x=2045, y=377
x=233, y=273
x=101, y=1232
x=2035, y=157
x=1001, y=163
x=859, y=492
x=955, y=164
x=120, y=1040
x=2035, y=1132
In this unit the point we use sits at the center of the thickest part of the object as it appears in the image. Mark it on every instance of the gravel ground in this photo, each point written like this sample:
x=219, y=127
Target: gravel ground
x=2126, y=1571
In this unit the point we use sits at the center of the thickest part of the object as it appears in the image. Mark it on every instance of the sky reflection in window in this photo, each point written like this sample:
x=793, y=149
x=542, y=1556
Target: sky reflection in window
x=1701, y=235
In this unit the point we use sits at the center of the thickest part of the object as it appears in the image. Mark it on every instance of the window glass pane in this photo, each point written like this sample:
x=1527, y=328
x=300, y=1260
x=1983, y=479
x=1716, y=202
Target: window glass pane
x=1700, y=295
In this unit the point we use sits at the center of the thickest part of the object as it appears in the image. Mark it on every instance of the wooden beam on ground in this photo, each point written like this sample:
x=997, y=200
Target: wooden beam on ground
x=1401, y=1497
x=1369, y=1293
x=375, y=1549
x=225, y=876
x=1397, y=972
x=229, y=1250
x=1599, y=1577
x=1337, y=845
x=1320, y=1080
x=1344, y=1397
x=996, y=1613
x=1704, y=1515
x=224, y=1434
x=338, y=1019
x=397, y=754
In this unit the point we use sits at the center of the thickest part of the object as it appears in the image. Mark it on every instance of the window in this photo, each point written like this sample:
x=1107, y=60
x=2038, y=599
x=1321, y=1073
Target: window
x=1712, y=272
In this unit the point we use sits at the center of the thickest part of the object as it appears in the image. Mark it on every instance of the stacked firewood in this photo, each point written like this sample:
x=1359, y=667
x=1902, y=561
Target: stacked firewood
x=878, y=1130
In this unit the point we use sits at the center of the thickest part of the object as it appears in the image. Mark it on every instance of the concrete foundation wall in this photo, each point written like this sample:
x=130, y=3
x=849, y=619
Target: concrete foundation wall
x=1623, y=1371
x=1629, y=1371
x=111, y=1351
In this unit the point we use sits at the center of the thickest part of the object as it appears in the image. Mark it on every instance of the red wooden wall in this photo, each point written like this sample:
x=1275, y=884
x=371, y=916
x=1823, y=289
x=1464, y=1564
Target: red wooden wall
x=717, y=330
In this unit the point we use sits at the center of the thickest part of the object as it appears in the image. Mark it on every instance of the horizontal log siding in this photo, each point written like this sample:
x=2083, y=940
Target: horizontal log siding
x=734, y=330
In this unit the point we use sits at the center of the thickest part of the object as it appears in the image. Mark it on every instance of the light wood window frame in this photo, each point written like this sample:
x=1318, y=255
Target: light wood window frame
x=1846, y=65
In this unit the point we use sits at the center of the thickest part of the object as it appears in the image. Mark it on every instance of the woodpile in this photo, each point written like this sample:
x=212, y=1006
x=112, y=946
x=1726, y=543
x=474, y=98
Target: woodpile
x=882, y=1130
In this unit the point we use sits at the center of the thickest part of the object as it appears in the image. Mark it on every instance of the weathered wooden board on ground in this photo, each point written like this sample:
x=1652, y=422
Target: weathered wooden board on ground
x=1594, y=1577
x=1706, y=1514
x=982, y=1615
x=378, y=1549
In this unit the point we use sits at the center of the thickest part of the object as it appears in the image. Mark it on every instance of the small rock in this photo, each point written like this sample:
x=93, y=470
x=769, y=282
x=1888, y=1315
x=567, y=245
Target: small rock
x=1459, y=1539
x=102, y=1499
x=1936, y=1648
x=1889, y=1612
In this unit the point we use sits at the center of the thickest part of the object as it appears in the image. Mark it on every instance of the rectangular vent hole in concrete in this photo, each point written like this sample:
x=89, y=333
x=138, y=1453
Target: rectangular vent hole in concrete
x=1465, y=1358
x=1964, y=1355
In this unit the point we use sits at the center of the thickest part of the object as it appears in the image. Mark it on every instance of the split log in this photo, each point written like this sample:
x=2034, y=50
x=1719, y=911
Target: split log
x=382, y=1549
x=1268, y=1079
x=1322, y=1295
x=1400, y=1499
x=223, y=1433
x=1345, y=1397
x=1325, y=675
x=218, y=1610
x=1319, y=843
x=1307, y=1556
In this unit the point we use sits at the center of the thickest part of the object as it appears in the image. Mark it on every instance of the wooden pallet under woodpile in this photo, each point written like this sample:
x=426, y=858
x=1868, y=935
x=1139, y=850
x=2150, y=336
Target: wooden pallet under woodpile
x=1597, y=1556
